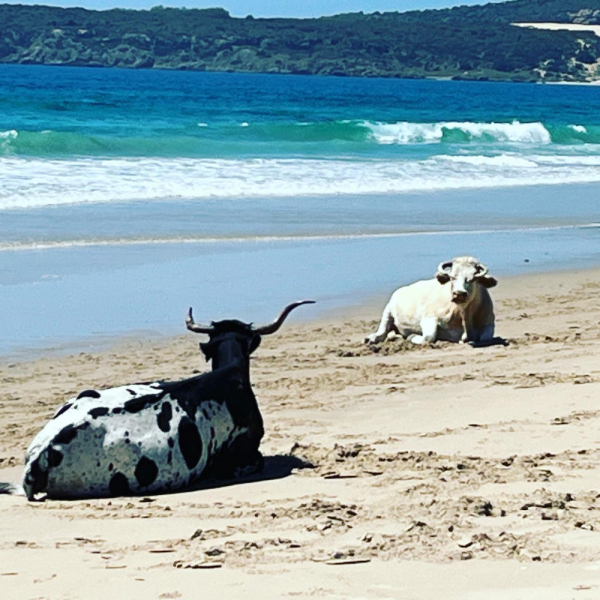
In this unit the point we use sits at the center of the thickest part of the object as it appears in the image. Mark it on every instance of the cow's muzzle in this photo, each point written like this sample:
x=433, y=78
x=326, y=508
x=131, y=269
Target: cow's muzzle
x=459, y=297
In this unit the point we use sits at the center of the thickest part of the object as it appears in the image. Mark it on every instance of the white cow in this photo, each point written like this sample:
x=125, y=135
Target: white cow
x=430, y=310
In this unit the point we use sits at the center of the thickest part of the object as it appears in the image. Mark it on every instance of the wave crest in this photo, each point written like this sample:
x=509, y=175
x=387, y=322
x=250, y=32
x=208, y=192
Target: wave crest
x=268, y=138
x=459, y=132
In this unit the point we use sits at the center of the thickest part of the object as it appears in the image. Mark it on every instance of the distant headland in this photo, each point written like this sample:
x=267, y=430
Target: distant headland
x=467, y=42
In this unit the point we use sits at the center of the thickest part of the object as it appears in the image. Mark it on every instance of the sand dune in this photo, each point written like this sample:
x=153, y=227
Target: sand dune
x=561, y=27
x=406, y=472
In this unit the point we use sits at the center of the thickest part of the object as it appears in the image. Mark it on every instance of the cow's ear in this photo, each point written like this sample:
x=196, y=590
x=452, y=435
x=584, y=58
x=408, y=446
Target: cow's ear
x=206, y=348
x=488, y=282
x=254, y=344
x=442, y=277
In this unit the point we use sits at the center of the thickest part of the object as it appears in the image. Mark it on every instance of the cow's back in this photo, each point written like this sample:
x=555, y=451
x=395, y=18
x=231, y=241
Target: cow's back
x=134, y=439
x=422, y=299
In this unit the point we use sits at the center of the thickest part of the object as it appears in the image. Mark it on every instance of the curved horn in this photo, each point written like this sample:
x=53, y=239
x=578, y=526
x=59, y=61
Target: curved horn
x=276, y=324
x=191, y=325
x=481, y=270
x=444, y=267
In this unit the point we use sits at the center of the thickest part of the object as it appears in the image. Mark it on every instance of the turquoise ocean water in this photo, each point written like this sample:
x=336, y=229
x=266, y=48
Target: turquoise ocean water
x=125, y=196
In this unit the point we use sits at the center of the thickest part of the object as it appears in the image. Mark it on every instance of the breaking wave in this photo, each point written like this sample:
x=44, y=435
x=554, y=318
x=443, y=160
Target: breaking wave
x=460, y=132
x=467, y=132
x=205, y=140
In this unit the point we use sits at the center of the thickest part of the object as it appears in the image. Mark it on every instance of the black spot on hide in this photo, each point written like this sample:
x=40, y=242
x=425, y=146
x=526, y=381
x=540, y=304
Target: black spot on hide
x=54, y=457
x=135, y=405
x=169, y=457
x=118, y=485
x=132, y=392
x=67, y=434
x=98, y=412
x=190, y=442
x=117, y=410
x=111, y=467
x=164, y=417
x=37, y=477
x=146, y=471
x=187, y=405
x=89, y=394
x=171, y=442
x=62, y=409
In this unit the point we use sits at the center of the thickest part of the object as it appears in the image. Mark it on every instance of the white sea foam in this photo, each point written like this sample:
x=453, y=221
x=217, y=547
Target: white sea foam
x=31, y=183
x=428, y=133
x=576, y=161
x=5, y=139
x=502, y=160
x=80, y=243
x=578, y=128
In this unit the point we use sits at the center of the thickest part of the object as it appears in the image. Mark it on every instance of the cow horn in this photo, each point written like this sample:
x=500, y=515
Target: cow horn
x=191, y=325
x=276, y=324
x=482, y=270
x=444, y=267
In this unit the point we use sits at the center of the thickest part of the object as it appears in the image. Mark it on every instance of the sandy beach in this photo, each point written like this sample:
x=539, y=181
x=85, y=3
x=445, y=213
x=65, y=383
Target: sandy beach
x=407, y=472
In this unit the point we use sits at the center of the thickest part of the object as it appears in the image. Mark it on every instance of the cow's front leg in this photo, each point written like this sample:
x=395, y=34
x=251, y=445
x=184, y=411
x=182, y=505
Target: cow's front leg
x=386, y=326
x=470, y=334
x=487, y=333
x=429, y=328
x=252, y=467
x=484, y=337
x=239, y=459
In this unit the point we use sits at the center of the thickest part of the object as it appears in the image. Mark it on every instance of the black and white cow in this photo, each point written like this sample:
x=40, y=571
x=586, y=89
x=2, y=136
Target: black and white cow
x=156, y=437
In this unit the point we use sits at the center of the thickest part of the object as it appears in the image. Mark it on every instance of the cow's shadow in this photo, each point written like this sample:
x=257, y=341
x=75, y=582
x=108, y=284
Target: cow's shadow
x=277, y=466
x=495, y=341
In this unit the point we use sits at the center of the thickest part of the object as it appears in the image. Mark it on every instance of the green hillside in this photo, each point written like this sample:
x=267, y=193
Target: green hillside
x=476, y=42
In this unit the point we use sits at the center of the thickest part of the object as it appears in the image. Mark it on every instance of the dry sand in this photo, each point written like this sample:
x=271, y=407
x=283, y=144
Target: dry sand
x=441, y=472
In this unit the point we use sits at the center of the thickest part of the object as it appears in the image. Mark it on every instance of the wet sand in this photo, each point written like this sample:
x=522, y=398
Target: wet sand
x=408, y=472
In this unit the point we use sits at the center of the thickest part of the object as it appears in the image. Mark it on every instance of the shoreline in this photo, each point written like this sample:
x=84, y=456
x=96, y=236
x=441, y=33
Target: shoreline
x=267, y=239
x=500, y=77
x=428, y=463
x=367, y=307
x=362, y=305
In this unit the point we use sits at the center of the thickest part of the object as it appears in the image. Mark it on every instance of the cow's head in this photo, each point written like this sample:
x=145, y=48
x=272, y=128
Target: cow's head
x=464, y=273
x=229, y=338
